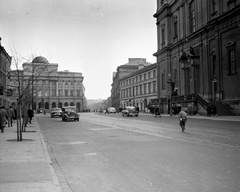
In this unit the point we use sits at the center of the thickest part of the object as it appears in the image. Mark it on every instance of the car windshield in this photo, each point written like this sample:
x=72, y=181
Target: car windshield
x=131, y=109
x=69, y=109
x=56, y=109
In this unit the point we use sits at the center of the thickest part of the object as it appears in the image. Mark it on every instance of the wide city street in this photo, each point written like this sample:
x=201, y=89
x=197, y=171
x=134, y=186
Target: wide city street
x=108, y=153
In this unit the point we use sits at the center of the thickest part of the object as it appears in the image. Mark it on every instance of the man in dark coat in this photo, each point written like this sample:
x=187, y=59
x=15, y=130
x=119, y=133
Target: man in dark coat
x=3, y=118
x=11, y=116
x=30, y=115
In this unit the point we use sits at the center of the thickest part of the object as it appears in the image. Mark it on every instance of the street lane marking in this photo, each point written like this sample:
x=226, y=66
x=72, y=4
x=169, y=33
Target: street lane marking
x=102, y=129
x=89, y=154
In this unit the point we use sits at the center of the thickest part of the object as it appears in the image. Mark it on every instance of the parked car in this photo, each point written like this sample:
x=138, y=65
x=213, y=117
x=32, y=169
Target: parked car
x=56, y=112
x=112, y=110
x=40, y=110
x=70, y=113
x=130, y=111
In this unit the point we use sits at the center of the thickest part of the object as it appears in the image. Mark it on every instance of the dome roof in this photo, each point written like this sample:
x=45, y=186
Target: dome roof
x=40, y=59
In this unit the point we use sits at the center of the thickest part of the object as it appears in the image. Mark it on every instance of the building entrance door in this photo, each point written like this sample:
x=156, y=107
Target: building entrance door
x=214, y=90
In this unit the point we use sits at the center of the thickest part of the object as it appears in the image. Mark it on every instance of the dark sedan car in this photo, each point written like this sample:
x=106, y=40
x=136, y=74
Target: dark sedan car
x=56, y=112
x=130, y=111
x=70, y=113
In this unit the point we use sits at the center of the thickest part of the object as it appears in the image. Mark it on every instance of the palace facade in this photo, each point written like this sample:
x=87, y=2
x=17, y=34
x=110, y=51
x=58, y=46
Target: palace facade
x=197, y=56
x=46, y=87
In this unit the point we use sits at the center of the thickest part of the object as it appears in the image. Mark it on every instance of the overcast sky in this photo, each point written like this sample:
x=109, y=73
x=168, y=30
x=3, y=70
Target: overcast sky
x=93, y=37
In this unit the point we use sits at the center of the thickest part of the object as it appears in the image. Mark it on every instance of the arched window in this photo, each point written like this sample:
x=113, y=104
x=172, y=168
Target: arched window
x=46, y=105
x=60, y=105
x=71, y=104
x=53, y=105
x=65, y=104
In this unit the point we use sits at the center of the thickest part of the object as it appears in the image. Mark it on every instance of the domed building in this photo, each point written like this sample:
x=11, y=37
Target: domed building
x=40, y=59
x=48, y=88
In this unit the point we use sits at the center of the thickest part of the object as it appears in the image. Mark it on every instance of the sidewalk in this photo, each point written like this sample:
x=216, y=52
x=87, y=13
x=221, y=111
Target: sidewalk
x=25, y=166
x=218, y=118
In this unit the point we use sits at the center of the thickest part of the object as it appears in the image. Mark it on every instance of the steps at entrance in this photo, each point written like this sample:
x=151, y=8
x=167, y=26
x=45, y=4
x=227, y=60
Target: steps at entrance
x=222, y=110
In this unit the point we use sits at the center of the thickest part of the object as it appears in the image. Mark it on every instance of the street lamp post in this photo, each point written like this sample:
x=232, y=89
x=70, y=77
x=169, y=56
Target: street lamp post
x=172, y=86
x=189, y=60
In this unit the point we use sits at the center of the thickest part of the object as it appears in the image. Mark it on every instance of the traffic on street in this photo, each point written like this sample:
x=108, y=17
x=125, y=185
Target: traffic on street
x=109, y=152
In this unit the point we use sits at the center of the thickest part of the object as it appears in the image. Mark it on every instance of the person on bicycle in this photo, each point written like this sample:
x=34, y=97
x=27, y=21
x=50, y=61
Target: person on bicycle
x=182, y=118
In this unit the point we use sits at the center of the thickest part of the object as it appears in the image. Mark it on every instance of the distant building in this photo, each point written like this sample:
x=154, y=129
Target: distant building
x=139, y=88
x=133, y=65
x=197, y=56
x=5, y=64
x=49, y=88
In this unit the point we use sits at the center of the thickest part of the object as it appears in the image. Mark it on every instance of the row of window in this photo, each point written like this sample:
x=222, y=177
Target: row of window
x=146, y=88
x=139, y=78
x=43, y=82
x=65, y=93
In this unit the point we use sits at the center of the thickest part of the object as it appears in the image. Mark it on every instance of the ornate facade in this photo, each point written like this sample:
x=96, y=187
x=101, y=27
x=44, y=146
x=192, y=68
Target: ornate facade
x=47, y=87
x=5, y=64
x=198, y=42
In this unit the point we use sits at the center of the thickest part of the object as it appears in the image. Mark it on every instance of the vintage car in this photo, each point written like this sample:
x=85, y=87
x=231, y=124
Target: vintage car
x=130, y=111
x=111, y=110
x=70, y=113
x=56, y=112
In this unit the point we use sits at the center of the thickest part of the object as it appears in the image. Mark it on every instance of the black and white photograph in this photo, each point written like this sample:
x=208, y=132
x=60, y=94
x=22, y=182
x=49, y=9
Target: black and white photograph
x=120, y=96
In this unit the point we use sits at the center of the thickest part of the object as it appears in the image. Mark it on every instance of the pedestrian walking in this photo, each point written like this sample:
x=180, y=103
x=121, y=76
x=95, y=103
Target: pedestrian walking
x=30, y=115
x=106, y=111
x=209, y=110
x=182, y=118
x=157, y=111
x=214, y=110
x=11, y=116
x=3, y=118
x=15, y=114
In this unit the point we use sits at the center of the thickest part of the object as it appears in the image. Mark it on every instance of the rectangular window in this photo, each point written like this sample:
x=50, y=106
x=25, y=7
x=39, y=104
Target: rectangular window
x=53, y=92
x=140, y=89
x=66, y=92
x=192, y=17
x=175, y=30
x=145, y=88
x=163, y=37
x=149, y=75
x=154, y=73
x=71, y=92
x=71, y=82
x=154, y=87
x=144, y=76
x=78, y=93
x=163, y=81
x=66, y=82
x=232, y=62
x=136, y=90
x=149, y=88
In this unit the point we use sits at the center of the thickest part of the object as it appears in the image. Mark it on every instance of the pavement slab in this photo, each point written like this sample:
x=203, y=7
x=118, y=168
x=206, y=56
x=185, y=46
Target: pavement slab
x=25, y=166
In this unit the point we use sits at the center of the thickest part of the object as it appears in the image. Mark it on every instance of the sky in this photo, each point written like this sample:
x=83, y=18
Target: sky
x=92, y=37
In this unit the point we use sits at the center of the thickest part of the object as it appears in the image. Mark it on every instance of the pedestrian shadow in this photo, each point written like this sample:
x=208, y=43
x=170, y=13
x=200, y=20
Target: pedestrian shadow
x=28, y=131
x=15, y=140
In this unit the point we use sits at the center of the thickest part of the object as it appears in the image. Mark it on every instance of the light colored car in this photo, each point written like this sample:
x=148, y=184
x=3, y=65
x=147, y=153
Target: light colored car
x=112, y=110
x=130, y=111
x=70, y=113
x=56, y=112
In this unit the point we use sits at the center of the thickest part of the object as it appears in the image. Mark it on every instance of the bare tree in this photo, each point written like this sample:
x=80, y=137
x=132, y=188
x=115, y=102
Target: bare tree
x=22, y=81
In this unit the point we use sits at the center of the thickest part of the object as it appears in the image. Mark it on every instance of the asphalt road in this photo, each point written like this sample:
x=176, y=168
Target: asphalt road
x=108, y=153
